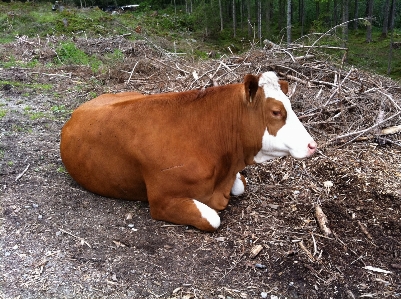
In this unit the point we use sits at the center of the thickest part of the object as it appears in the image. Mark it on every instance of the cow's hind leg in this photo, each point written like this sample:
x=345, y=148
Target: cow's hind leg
x=238, y=187
x=185, y=211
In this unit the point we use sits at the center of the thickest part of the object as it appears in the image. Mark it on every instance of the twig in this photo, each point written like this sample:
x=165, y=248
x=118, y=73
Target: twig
x=327, y=32
x=235, y=264
x=131, y=73
x=79, y=238
x=305, y=57
x=322, y=220
x=314, y=245
x=359, y=133
x=319, y=47
x=170, y=66
x=364, y=230
x=288, y=53
x=391, y=99
x=22, y=173
x=69, y=76
x=338, y=87
x=306, y=250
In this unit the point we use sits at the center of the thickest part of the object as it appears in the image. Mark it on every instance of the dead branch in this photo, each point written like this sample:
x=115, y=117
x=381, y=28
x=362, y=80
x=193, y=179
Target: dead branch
x=360, y=132
x=133, y=69
x=364, y=230
x=300, y=47
x=22, y=173
x=332, y=29
x=306, y=250
x=76, y=237
x=322, y=220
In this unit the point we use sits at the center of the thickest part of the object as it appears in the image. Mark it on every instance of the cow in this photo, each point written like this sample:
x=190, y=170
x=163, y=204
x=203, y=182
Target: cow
x=182, y=151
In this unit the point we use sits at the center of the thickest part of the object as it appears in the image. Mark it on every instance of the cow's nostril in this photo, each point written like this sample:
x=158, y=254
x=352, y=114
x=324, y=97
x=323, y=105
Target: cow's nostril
x=312, y=145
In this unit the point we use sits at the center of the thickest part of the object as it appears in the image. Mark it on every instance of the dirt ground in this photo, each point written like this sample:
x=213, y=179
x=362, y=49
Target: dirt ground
x=60, y=241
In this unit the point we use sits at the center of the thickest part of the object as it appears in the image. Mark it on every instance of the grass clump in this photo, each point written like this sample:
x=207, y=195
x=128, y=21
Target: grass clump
x=69, y=54
x=3, y=113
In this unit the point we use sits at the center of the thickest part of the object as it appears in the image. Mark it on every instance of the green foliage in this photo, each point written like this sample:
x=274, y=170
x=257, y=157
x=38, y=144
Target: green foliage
x=37, y=87
x=115, y=57
x=37, y=115
x=68, y=53
x=92, y=95
x=3, y=113
x=12, y=62
x=60, y=110
x=62, y=170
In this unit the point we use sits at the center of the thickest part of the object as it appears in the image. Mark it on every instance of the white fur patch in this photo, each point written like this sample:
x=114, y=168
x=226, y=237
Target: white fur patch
x=238, y=186
x=292, y=139
x=208, y=213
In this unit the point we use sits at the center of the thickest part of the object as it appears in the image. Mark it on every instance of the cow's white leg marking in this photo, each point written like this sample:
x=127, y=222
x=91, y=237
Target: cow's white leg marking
x=208, y=213
x=238, y=186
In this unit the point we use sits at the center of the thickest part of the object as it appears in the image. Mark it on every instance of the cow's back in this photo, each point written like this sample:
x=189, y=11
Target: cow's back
x=94, y=147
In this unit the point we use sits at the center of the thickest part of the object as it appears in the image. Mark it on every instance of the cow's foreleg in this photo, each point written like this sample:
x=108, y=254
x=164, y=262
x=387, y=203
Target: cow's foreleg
x=238, y=187
x=185, y=211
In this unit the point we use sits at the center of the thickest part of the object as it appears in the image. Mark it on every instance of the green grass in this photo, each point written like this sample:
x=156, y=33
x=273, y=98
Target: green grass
x=35, y=86
x=374, y=55
x=3, y=113
x=69, y=54
x=60, y=110
x=62, y=169
x=33, y=115
x=37, y=115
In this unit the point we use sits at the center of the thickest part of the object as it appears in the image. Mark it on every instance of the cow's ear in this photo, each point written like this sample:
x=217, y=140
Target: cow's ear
x=283, y=86
x=251, y=84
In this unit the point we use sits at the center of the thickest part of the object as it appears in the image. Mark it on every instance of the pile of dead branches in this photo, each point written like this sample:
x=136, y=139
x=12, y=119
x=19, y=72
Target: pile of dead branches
x=338, y=103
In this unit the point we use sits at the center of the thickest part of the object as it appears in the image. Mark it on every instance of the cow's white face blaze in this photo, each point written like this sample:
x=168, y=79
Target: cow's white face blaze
x=292, y=138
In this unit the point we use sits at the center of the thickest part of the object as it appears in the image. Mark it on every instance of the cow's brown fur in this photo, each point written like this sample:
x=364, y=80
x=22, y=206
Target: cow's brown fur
x=169, y=148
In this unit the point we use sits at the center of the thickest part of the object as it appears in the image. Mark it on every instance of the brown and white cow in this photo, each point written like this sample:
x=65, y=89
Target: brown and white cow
x=183, y=151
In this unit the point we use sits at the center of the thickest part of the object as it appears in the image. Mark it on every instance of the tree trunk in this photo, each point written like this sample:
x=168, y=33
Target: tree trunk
x=221, y=16
x=206, y=20
x=289, y=22
x=281, y=14
x=260, y=21
x=269, y=8
x=345, y=20
x=249, y=18
x=335, y=10
x=241, y=11
x=234, y=20
x=369, y=9
x=302, y=15
x=392, y=15
x=386, y=11
x=356, y=14
x=391, y=28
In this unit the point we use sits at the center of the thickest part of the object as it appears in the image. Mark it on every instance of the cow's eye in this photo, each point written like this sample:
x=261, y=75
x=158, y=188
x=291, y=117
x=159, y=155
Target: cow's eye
x=276, y=113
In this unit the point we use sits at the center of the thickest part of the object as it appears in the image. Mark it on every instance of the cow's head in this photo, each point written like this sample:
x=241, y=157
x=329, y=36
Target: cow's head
x=284, y=133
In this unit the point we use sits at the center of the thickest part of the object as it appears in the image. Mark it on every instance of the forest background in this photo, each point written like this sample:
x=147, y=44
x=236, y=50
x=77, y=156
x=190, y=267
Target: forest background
x=365, y=33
